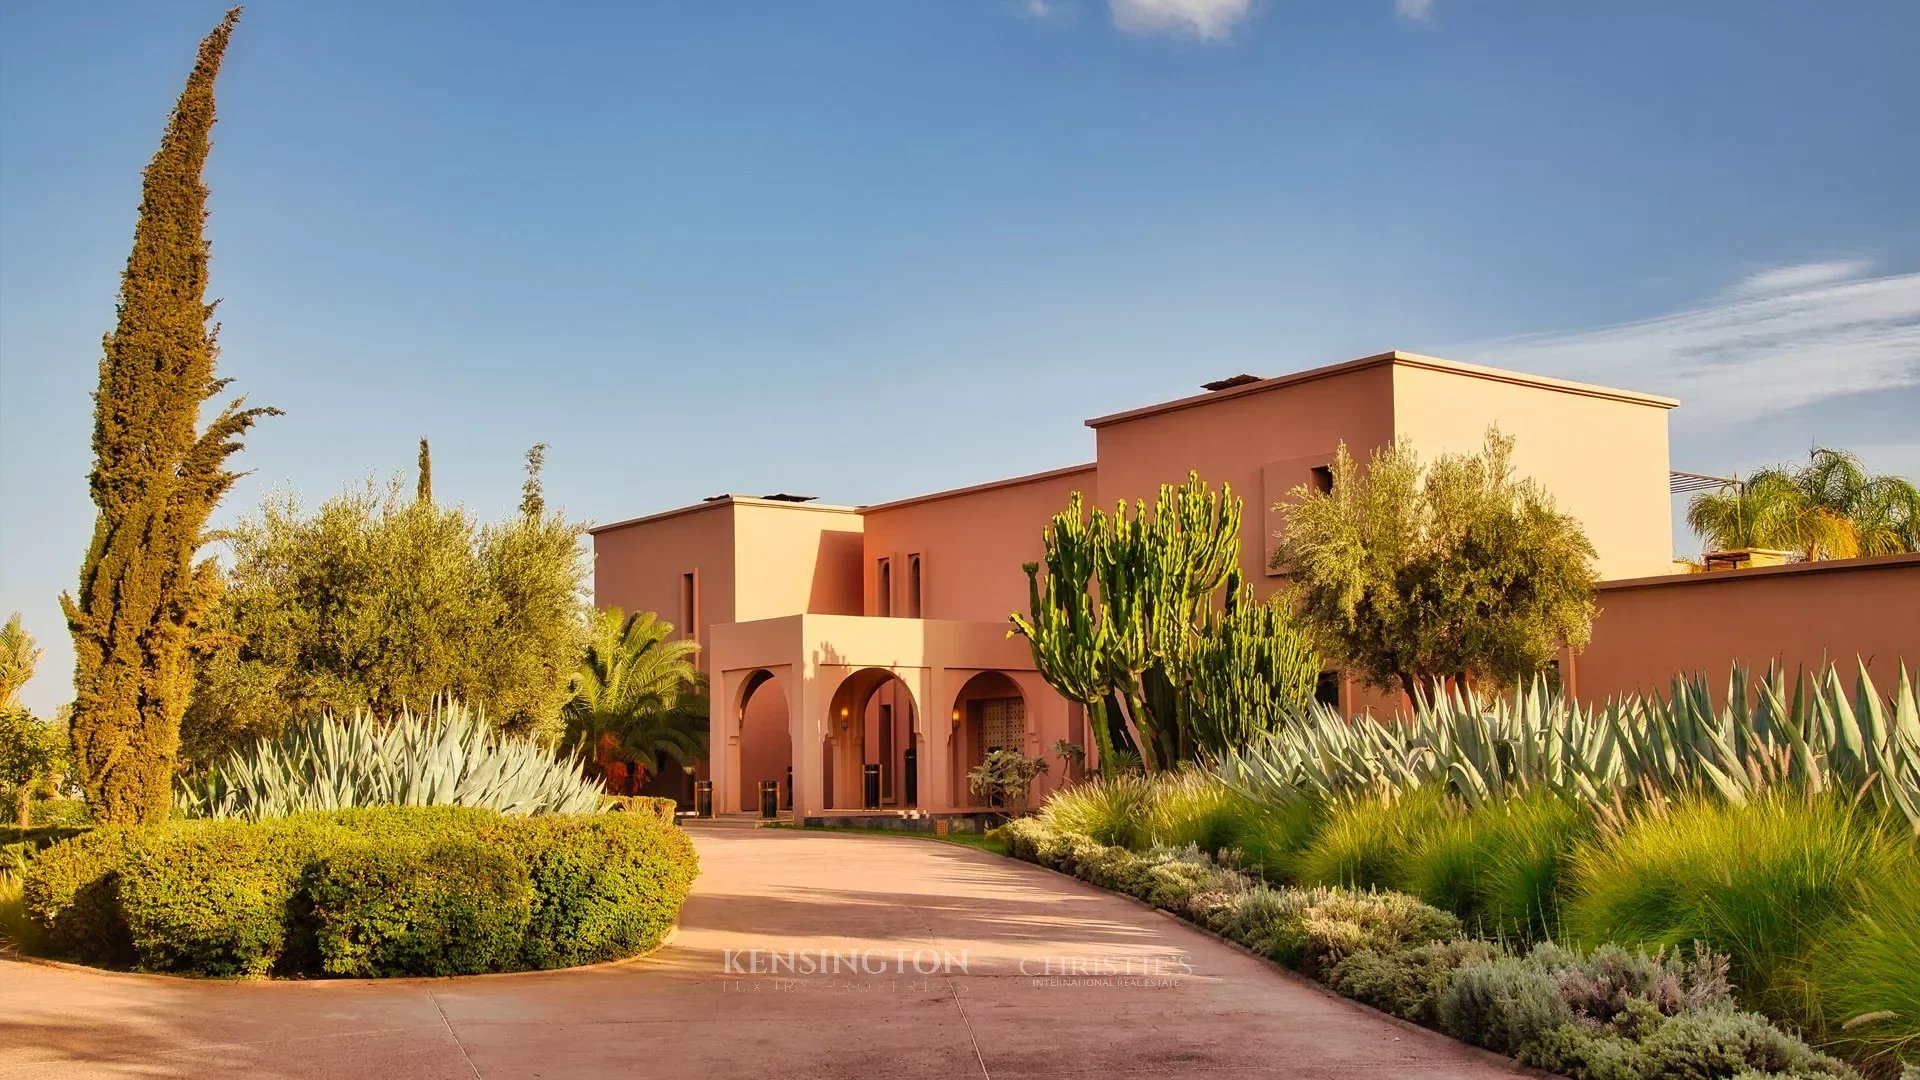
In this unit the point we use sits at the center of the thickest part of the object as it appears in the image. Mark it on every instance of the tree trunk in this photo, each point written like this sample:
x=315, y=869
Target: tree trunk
x=1101, y=738
x=1129, y=716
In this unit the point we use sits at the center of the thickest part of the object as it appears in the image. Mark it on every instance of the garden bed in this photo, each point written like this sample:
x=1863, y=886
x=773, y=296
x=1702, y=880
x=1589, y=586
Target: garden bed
x=1606, y=1013
x=388, y=891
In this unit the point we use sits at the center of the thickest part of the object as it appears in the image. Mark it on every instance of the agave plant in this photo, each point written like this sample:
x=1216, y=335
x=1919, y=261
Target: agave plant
x=448, y=756
x=1812, y=736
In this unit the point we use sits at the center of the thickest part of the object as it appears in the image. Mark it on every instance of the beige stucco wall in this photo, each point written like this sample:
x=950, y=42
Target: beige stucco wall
x=1601, y=454
x=1263, y=441
x=638, y=566
x=1652, y=629
x=794, y=558
x=971, y=544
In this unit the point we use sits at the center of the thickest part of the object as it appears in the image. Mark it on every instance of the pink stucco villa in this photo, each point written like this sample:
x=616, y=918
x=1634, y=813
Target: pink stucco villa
x=859, y=657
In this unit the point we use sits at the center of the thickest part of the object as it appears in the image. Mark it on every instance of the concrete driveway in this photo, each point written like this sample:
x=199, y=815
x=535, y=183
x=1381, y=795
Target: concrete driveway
x=799, y=955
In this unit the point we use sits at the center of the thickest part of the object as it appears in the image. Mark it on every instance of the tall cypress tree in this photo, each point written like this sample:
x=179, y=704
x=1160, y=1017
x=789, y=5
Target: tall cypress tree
x=423, y=487
x=533, y=497
x=156, y=478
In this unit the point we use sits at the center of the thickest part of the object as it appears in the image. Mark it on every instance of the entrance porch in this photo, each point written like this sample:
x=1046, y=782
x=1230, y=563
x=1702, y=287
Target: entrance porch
x=852, y=715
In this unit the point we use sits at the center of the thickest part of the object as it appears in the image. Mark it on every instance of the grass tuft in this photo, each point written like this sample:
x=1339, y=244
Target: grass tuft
x=1762, y=884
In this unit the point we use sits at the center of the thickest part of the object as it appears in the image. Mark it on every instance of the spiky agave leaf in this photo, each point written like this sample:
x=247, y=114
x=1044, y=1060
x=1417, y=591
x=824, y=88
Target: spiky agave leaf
x=447, y=756
x=1812, y=738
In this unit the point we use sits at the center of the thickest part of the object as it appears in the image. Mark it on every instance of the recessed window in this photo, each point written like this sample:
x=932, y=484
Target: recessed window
x=913, y=586
x=883, y=588
x=1323, y=479
x=689, y=607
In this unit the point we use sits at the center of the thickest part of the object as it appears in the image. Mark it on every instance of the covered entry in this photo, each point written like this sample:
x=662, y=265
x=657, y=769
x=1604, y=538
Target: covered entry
x=858, y=732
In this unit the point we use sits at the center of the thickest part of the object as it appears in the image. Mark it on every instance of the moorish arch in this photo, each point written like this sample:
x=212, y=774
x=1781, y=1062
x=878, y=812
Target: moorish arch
x=871, y=720
x=990, y=712
x=761, y=718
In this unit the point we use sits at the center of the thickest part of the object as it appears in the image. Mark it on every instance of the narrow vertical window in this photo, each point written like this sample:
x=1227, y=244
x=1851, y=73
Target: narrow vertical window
x=913, y=586
x=689, y=607
x=883, y=588
x=1323, y=479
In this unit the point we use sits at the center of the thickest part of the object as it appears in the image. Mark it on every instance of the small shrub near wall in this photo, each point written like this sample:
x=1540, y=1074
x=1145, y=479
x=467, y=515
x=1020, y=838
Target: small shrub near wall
x=369, y=892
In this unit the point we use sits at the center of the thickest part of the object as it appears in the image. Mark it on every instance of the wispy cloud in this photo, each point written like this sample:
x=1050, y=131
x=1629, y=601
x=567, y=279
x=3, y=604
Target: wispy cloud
x=1784, y=279
x=1209, y=20
x=1417, y=10
x=1777, y=340
x=1041, y=9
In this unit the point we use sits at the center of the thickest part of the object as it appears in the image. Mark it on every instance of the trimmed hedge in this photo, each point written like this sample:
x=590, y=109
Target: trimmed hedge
x=605, y=885
x=72, y=890
x=453, y=905
x=1601, y=1015
x=214, y=898
x=368, y=892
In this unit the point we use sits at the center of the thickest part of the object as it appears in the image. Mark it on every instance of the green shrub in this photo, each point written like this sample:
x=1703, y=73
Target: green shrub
x=1368, y=842
x=19, y=846
x=1445, y=867
x=1601, y=985
x=1643, y=1044
x=1609, y=1014
x=1506, y=1004
x=1269, y=837
x=1616, y=1015
x=1865, y=977
x=1314, y=929
x=1529, y=852
x=664, y=809
x=441, y=906
x=372, y=891
x=1114, y=811
x=605, y=885
x=61, y=814
x=72, y=891
x=1407, y=982
x=218, y=897
x=1502, y=866
x=1760, y=883
x=16, y=928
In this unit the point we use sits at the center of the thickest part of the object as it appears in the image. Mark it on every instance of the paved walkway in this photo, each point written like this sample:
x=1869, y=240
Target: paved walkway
x=1156, y=999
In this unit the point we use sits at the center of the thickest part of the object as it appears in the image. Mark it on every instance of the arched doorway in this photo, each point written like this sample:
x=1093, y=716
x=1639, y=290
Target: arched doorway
x=989, y=713
x=871, y=721
x=766, y=740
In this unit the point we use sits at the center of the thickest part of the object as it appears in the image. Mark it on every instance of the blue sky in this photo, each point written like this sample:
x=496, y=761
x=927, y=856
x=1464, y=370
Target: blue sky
x=868, y=249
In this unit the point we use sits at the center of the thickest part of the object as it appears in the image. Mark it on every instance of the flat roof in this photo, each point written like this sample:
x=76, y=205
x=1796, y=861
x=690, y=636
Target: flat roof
x=974, y=489
x=1722, y=577
x=718, y=501
x=1392, y=356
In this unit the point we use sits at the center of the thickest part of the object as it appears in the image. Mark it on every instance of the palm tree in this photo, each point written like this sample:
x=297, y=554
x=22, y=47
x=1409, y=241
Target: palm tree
x=1829, y=508
x=637, y=696
x=19, y=655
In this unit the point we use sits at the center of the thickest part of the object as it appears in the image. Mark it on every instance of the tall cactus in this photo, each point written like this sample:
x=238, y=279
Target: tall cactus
x=1067, y=637
x=1251, y=669
x=1129, y=613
